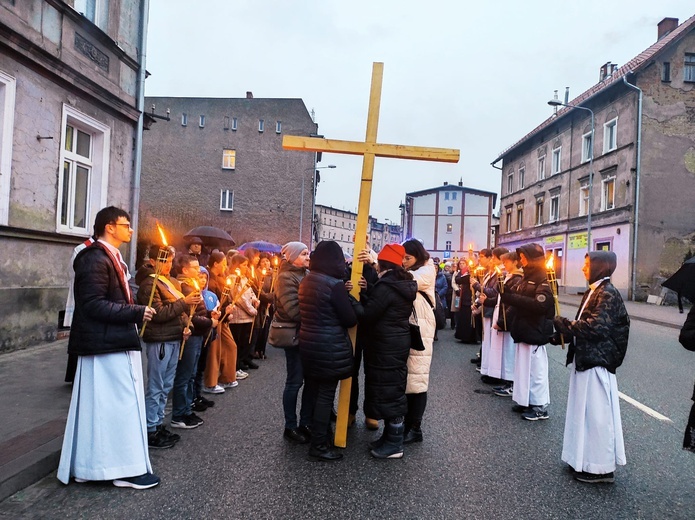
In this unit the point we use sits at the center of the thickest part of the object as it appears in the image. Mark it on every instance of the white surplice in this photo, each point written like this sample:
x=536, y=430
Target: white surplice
x=106, y=434
x=531, y=386
x=502, y=351
x=485, y=347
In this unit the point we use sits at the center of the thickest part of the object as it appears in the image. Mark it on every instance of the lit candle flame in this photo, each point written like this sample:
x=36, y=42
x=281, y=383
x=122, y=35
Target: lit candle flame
x=229, y=281
x=196, y=285
x=499, y=271
x=237, y=271
x=275, y=261
x=161, y=234
x=253, y=273
x=550, y=264
x=470, y=247
x=263, y=271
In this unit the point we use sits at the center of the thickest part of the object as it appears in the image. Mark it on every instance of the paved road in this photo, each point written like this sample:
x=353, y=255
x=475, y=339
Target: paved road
x=479, y=460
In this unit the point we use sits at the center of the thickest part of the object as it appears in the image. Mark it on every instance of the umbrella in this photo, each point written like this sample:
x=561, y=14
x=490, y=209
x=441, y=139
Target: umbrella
x=683, y=282
x=210, y=234
x=262, y=246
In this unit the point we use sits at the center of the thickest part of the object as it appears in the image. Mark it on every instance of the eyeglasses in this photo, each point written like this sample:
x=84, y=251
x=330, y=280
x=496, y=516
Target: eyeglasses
x=120, y=224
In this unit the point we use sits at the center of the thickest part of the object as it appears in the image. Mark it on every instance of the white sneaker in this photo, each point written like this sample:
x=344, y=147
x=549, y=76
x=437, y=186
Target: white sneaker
x=217, y=389
x=240, y=374
x=233, y=384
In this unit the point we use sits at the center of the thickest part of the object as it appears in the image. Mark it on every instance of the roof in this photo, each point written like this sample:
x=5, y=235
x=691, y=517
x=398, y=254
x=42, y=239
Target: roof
x=636, y=64
x=449, y=187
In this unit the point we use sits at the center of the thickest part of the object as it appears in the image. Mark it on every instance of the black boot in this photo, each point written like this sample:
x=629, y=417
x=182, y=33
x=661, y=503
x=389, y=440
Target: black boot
x=379, y=442
x=392, y=448
x=414, y=435
x=323, y=453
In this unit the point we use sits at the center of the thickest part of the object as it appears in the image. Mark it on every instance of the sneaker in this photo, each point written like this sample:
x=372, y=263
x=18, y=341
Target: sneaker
x=194, y=417
x=174, y=437
x=217, y=389
x=477, y=369
x=157, y=441
x=199, y=406
x=536, y=413
x=187, y=422
x=503, y=391
x=207, y=402
x=593, y=478
x=240, y=374
x=80, y=480
x=251, y=365
x=146, y=481
x=231, y=384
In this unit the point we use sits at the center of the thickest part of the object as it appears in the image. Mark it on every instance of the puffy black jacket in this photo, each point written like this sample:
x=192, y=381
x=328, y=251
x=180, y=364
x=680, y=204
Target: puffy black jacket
x=687, y=335
x=534, y=307
x=384, y=311
x=508, y=314
x=171, y=317
x=104, y=319
x=287, y=291
x=597, y=338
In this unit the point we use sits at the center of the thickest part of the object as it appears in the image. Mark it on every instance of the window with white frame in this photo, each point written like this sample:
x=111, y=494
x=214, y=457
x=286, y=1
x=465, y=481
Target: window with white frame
x=228, y=159
x=689, y=67
x=554, y=208
x=610, y=135
x=446, y=195
x=450, y=210
x=96, y=11
x=449, y=228
x=184, y=119
x=261, y=125
x=522, y=175
x=587, y=148
x=278, y=127
x=608, y=194
x=234, y=124
x=557, y=161
x=539, y=211
x=510, y=182
x=83, y=173
x=226, y=200
x=519, y=216
x=583, y=200
x=7, y=102
x=541, y=167
x=508, y=219
x=453, y=195
x=201, y=121
x=447, y=245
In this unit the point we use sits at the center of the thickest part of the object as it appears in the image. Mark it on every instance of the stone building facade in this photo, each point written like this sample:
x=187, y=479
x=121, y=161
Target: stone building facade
x=450, y=219
x=220, y=162
x=69, y=84
x=643, y=153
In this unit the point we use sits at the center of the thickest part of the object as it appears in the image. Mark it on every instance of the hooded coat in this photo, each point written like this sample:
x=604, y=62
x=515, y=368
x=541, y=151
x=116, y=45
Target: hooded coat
x=383, y=313
x=419, y=360
x=598, y=336
x=326, y=314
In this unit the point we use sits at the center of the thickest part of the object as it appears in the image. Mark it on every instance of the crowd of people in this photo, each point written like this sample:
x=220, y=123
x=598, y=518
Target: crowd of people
x=204, y=321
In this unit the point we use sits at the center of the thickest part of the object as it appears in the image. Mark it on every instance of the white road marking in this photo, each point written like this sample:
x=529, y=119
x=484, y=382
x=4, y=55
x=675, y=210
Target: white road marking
x=644, y=408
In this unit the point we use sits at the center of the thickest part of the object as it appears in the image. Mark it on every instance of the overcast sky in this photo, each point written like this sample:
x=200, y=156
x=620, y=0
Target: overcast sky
x=470, y=75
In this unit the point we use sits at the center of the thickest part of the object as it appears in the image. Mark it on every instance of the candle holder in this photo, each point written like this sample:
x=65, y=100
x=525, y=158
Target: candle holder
x=500, y=283
x=190, y=319
x=162, y=258
x=552, y=281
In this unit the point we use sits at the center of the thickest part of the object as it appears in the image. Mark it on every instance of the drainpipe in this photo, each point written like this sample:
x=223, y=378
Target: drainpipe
x=140, y=94
x=638, y=170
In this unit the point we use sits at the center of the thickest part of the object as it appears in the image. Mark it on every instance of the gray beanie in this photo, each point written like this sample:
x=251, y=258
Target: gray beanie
x=292, y=250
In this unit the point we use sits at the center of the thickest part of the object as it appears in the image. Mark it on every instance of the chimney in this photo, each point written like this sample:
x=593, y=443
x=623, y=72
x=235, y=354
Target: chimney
x=446, y=183
x=567, y=95
x=249, y=94
x=461, y=182
x=665, y=26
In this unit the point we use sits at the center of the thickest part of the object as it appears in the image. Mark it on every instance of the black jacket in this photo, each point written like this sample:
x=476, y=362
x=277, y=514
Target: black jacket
x=201, y=322
x=104, y=319
x=491, y=290
x=506, y=313
x=534, y=307
x=171, y=317
x=687, y=335
x=326, y=314
x=384, y=312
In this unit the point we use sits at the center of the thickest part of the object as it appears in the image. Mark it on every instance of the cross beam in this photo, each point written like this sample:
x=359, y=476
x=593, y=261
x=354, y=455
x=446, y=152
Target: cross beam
x=369, y=149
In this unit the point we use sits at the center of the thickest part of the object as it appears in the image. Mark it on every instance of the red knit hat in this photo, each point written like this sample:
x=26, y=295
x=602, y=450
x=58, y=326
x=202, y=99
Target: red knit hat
x=393, y=253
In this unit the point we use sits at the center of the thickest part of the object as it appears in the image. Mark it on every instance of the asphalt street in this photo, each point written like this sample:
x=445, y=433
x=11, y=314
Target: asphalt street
x=479, y=460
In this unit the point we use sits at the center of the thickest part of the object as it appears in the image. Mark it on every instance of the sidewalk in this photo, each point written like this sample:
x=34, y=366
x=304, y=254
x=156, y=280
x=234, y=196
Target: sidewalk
x=36, y=400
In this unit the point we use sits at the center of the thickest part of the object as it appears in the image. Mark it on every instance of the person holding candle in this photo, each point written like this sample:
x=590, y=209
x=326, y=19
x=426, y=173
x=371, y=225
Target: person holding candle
x=265, y=311
x=244, y=312
x=107, y=394
x=212, y=305
x=461, y=283
x=487, y=288
x=531, y=327
x=597, y=338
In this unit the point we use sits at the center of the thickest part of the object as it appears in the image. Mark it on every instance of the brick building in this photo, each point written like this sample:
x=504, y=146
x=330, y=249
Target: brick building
x=220, y=162
x=70, y=82
x=643, y=154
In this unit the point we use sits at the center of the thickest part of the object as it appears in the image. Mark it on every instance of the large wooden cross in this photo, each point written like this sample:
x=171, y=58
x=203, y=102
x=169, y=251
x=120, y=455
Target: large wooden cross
x=369, y=149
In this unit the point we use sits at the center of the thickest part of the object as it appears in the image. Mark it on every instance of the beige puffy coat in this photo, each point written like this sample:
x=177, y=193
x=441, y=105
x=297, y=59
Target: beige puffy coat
x=419, y=361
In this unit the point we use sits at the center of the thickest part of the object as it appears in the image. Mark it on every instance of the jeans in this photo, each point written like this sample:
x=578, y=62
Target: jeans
x=184, y=382
x=162, y=359
x=324, y=395
x=293, y=383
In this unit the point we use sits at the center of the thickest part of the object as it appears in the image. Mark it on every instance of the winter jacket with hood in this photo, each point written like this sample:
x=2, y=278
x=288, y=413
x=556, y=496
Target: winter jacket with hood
x=287, y=292
x=598, y=337
x=171, y=317
x=419, y=361
x=201, y=322
x=384, y=312
x=326, y=314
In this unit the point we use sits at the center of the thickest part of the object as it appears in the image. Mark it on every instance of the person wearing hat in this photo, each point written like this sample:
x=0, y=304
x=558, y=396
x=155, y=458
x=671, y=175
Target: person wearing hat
x=383, y=311
x=195, y=249
x=531, y=327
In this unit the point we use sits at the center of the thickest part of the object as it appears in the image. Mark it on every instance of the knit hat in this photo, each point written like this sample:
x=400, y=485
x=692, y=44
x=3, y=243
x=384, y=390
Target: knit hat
x=393, y=253
x=194, y=240
x=292, y=250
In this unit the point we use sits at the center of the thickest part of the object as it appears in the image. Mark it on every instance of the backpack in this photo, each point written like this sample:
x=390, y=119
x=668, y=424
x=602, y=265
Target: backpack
x=437, y=309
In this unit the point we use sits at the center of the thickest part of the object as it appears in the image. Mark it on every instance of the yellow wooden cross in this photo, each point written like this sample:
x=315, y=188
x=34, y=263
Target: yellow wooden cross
x=369, y=149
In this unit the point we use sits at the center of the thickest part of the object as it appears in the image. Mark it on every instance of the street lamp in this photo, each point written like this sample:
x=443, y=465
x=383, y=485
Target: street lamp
x=313, y=201
x=557, y=103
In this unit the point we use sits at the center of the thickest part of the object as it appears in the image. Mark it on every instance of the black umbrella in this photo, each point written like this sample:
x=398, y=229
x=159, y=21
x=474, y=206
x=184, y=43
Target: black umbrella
x=210, y=234
x=683, y=282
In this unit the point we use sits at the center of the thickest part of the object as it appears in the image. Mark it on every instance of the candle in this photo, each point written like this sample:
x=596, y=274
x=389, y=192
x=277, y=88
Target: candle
x=552, y=280
x=162, y=258
x=500, y=282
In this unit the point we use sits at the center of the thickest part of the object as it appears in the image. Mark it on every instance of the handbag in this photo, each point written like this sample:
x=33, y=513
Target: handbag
x=415, y=336
x=437, y=309
x=283, y=334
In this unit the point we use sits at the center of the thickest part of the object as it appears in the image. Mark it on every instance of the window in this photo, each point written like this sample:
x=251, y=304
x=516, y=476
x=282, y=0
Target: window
x=234, y=124
x=446, y=195
x=449, y=228
x=557, y=161
x=541, y=167
x=261, y=125
x=201, y=122
x=610, y=135
x=689, y=67
x=587, y=148
x=522, y=174
x=554, y=208
x=450, y=210
x=447, y=245
x=603, y=246
x=226, y=200
x=83, y=176
x=7, y=98
x=510, y=182
x=608, y=194
x=584, y=200
x=508, y=223
x=539, y=211
x=666, y=72
x=226, y=122
x=228, y=159
x=184, y=119
x=96, y=11
x=453, y=195
x=519, y=217
x=278, y=127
